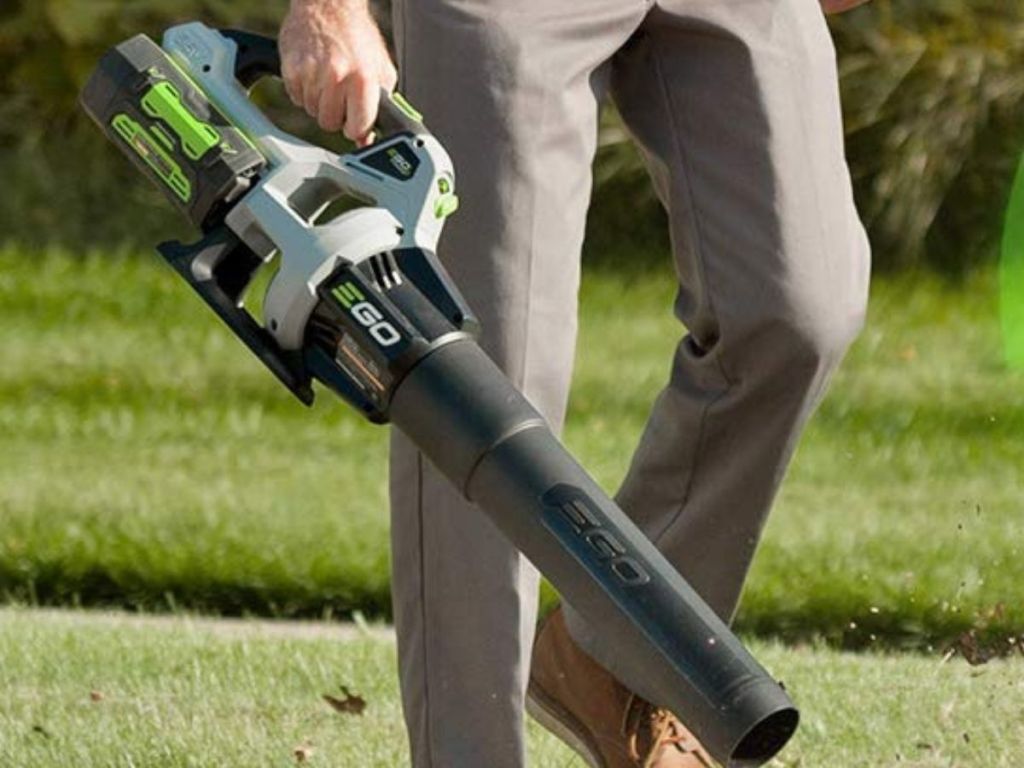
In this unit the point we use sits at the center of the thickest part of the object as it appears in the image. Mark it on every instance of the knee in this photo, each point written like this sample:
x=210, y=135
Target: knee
x=813, y=315
x=825, y=333
x=813, y=330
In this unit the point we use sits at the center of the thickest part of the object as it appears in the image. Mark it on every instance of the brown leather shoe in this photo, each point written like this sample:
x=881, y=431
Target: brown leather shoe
x=576, y=699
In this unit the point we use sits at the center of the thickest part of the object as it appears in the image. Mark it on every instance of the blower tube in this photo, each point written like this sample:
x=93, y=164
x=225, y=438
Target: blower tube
x=482, y=434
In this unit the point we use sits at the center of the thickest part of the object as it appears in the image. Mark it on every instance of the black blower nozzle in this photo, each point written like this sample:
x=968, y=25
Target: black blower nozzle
x=483, y=435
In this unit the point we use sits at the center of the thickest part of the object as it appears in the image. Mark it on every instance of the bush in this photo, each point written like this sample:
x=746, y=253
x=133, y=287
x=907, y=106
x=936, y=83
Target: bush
x=934, y=102
x=61, y=173
x=934, y=98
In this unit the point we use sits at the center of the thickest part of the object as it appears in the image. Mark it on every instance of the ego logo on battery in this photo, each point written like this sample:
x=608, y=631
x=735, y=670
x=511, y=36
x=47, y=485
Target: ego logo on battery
x=366, y=314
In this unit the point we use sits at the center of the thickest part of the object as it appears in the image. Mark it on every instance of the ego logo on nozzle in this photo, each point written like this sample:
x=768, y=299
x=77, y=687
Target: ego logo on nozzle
x=574, y=518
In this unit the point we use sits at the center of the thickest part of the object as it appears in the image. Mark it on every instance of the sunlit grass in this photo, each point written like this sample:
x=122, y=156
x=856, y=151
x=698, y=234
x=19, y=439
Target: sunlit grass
x=89, y=691
x=146, y=459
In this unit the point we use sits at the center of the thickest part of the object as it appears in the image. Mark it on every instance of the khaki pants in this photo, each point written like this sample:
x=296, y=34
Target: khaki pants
x=735, y=106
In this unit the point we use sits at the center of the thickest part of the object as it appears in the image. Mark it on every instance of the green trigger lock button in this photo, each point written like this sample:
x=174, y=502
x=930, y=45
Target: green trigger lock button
x=446, y=205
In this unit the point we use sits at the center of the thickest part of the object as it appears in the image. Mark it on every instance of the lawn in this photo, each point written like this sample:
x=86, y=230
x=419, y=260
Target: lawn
x=147, y=461
x=100, y=692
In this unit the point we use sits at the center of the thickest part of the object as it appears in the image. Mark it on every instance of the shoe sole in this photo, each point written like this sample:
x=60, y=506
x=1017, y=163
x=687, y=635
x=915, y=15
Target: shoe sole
x=560, y=722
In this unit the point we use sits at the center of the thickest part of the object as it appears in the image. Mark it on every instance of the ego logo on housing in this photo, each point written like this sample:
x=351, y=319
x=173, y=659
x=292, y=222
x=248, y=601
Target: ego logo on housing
x=367, y=315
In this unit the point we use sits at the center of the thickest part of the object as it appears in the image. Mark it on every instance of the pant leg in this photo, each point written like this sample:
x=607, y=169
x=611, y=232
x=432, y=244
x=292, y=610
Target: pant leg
x=511, y=89
x=736, y=108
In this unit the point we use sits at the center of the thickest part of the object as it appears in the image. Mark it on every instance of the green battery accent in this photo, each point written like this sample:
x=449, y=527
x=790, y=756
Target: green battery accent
x=1011, y=276
x=162, y=136
x=154, y=155
x=226, y=146
x=163, y=101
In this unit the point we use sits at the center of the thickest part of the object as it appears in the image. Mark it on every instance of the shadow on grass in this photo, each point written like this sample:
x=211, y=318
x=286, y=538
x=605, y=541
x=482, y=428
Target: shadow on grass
x=977, y=636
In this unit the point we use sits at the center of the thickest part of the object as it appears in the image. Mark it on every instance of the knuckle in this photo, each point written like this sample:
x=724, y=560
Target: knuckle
x=339, y=68
x=361, y=77
x=310, y=69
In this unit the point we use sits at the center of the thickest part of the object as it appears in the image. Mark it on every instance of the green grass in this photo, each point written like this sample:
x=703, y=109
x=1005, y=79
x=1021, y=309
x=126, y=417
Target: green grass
x=147, y=460
x=184, y=695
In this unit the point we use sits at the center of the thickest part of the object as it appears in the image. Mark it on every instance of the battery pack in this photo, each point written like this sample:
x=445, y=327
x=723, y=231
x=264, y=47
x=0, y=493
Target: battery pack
x=146, y=104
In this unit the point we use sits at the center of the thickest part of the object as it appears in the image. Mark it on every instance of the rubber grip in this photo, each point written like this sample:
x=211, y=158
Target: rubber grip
x=257, y=57
x=395, y=115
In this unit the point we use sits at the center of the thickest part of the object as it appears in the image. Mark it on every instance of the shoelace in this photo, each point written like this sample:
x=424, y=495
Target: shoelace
x=665, y=731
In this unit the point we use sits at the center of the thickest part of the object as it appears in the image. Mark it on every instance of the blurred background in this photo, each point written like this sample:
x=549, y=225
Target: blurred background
x=933, y=94
x=130, y=421
x=149, y=464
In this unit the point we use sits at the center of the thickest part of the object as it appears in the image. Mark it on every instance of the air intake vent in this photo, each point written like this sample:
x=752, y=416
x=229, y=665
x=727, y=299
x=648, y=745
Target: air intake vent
x=385, y=271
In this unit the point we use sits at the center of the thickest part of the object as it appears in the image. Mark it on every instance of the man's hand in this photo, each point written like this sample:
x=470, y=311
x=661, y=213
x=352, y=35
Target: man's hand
x=838, y=6
x=334, y=63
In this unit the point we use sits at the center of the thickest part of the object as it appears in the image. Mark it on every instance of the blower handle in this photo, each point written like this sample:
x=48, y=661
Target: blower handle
x=259, y=56
x=396, y=115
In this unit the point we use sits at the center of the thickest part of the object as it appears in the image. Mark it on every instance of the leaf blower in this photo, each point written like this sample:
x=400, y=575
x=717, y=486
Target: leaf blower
x=361, y=304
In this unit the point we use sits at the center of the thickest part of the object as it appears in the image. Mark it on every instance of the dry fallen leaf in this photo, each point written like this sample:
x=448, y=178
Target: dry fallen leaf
x=967, y=645
x=95, y=696
x=349, y=705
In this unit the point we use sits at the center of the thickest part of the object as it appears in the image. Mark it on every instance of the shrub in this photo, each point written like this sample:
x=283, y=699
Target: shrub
x=934, y=102
x=59, y=173
x=934, y=98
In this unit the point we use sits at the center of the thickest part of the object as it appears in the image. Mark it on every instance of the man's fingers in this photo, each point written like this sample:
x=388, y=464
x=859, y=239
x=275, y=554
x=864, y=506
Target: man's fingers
x=388, y=76
x=312, y=87
x=331, y=115
x=292, y=77
x=361, y=107
x=333, y=66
